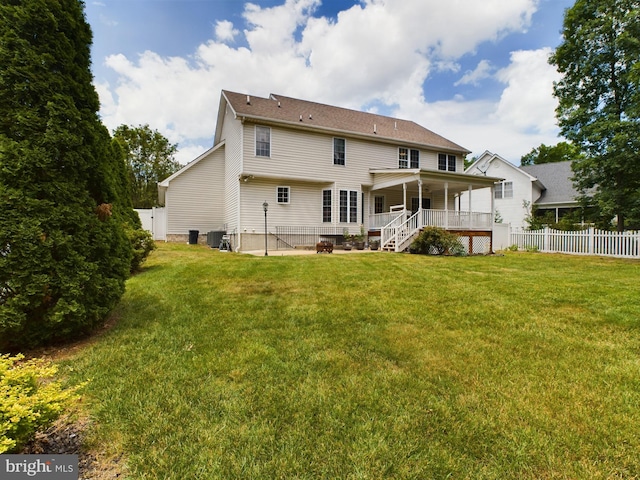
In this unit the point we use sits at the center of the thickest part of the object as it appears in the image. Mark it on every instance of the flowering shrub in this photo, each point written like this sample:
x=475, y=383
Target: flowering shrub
x=29, y=399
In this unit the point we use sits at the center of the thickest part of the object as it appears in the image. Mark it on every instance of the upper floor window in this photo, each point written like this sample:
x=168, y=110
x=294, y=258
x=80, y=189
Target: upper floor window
x=408, y=158
x=263, y=141
x=446, y=162
x=339, y=151
x=503, y=190
x=283, y=194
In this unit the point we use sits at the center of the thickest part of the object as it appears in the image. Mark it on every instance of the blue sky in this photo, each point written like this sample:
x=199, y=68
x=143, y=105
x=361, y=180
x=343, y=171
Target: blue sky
x=473, y=71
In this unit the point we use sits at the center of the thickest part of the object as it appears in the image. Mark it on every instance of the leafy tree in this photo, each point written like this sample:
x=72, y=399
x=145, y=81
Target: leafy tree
x=64, y=253
x=560, y=152
x=599, y=101
x=150, y=159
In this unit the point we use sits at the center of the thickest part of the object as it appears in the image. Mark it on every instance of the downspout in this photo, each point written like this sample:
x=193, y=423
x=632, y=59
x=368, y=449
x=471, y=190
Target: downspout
x=238, y=209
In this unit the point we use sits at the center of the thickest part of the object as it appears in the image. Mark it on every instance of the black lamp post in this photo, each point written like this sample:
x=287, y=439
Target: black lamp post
x=265, y=207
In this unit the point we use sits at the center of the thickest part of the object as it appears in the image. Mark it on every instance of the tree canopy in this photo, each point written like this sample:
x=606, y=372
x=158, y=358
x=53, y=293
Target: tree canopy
x=64, y=252
x=560, y=152
x=149, y=158
x=599, y=102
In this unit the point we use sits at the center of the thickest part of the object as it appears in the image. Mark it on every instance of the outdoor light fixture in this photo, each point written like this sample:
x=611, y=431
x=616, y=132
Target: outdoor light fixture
x=265, y=207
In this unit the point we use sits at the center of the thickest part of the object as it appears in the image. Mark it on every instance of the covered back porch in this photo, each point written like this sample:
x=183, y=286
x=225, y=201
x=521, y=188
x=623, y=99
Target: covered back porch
x=404, y=201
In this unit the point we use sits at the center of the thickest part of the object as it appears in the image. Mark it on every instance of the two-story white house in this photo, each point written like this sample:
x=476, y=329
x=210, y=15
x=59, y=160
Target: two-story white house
x=322, y=170
x=548, y=187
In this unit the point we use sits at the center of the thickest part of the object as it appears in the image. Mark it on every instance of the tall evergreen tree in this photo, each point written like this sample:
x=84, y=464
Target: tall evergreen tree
x=64, y=254
x=599, y=101
x=150, y=159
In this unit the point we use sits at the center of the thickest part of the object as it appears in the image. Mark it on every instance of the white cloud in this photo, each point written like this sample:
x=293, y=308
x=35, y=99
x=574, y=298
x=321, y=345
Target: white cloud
x=225, y=32
x=527, y=102
x=473, y=77
x=376, y=52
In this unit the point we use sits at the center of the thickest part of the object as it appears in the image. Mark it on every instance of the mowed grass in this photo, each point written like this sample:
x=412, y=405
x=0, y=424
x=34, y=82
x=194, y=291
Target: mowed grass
x=370, y=366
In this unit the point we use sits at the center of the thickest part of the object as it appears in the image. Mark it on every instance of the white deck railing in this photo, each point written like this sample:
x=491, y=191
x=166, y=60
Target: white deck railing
x=447, y=219
x=401, y=227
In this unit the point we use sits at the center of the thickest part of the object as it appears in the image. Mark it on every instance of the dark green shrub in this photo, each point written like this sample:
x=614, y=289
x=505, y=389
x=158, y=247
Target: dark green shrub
x=436, y=241
x=64, y=253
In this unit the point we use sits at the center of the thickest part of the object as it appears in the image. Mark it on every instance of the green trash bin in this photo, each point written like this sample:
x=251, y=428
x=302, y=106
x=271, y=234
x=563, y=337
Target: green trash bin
x=193, y=237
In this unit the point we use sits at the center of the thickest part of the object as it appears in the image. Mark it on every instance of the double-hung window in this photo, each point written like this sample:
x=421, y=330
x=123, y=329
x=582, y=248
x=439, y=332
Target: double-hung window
x=339, y=151
x=326, y=206
x=503, y=190
x=446, y=162
x=408, y=158
x=283, y=194
x=263, y=141
x=348, y=206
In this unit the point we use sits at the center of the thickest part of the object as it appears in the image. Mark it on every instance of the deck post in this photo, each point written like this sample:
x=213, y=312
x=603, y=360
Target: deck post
x=446, y=205
x=404, y=200
x=470, y=215
x=420, y=225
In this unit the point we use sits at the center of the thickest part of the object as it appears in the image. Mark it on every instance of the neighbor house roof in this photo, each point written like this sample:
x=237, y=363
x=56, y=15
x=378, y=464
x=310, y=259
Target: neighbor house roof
x=317, y=116
x=556, y=178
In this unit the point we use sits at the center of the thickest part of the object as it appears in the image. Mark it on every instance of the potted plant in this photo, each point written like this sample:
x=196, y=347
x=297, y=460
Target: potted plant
x=359, y=239
x=374, y=244
x=346, y=242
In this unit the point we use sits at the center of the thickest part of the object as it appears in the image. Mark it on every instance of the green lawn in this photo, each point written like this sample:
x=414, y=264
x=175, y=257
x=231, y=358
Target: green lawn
x=371, y=366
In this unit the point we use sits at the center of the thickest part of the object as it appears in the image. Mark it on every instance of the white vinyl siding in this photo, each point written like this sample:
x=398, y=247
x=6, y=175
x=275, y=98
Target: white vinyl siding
x=303, y=209
x=195, y=199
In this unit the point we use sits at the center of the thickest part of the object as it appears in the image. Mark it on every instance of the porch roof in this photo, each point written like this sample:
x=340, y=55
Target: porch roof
x=433, y=179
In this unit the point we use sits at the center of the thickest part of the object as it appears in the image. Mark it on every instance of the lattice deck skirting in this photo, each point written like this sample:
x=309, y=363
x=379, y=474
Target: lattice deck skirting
x=476, y=241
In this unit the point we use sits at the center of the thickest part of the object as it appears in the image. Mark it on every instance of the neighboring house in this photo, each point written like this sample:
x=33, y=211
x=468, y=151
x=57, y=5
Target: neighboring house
x=321, y=169
x=548, y=186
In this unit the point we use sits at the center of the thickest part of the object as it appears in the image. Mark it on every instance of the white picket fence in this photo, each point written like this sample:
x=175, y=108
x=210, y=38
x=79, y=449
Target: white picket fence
x=585, y=242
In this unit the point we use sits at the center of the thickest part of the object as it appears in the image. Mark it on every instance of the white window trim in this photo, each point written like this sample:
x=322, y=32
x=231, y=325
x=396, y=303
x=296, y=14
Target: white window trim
x=288, y=189
x=333, y=144
x=448, y=155
x=349, y=209
x=255, y=141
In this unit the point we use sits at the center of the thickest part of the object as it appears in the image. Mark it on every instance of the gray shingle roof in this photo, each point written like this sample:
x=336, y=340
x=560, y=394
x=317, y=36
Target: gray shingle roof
x=279, y=108
x=556, y=178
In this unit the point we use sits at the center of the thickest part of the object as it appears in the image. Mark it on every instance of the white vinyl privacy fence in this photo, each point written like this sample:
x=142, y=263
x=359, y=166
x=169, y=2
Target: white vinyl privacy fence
x=585, y=242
